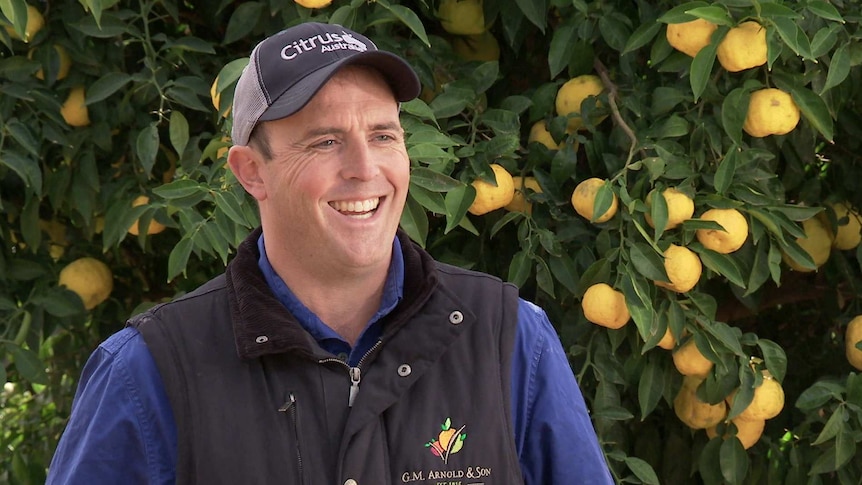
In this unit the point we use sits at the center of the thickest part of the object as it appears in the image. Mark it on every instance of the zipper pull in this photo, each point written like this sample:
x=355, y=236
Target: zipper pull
x=355, y=376
x=291, y=401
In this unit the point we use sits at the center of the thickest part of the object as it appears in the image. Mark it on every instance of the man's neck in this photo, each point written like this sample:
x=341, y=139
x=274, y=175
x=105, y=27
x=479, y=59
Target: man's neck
x=345, y=300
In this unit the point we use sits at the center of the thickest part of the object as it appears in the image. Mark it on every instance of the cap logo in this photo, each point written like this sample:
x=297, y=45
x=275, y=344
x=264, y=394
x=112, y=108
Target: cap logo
x=325, y=42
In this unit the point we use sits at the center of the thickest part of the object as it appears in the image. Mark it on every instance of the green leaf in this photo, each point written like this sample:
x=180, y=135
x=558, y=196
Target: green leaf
x=793, y=35
x=451, y=101
x=564, y=269
x=105, y=86
x=604, y=199
x=642, y=36
x=834, y=425
x=27, y=169
x=24, y=136
x=410, y=19
x=535, y=11
x=642, y=470
x=824, y=10
x=818, y=395
x=560, y=50
x=419, y=108
x=228, y=202
x=179, y=257
x=639, y=302
x=647, y=262
x=733, y=111
x=839, y=68
x=734, y=461
x=433, y=180
x=28, y=364
x=180, y=188
x=243, y=21
x=414, y=221
x=651, y=386
x=835, y=456
x=726, y=170
x=191, y=44
x=147, y=147
x=701, y=65
x=713, y=13
x=543, y=277
x=16, y=12
x=614, y=31
x=179, y=131
x=430, y=200
x=519, y=268
x=458, y=200
x=776, y=359
x=722, y=264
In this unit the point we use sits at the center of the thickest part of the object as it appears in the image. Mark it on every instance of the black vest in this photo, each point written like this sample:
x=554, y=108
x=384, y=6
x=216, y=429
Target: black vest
x=256, y=400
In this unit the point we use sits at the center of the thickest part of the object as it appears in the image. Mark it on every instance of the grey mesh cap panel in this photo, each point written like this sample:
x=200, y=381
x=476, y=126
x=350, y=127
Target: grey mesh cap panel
x=286, y=70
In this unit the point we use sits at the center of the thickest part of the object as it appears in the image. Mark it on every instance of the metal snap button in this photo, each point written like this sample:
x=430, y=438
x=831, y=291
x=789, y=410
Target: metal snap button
x=456, y=317
x=350, y=481
x=404, y=370
x=261, y=339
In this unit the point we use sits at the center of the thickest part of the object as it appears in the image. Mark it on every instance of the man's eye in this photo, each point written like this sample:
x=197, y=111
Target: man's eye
x=325, y=143
x=385, y=137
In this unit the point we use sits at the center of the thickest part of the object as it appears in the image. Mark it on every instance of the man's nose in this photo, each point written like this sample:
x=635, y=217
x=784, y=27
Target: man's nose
x=359, y=162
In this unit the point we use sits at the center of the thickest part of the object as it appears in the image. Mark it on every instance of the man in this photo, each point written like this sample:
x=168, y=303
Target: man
x=333, y=350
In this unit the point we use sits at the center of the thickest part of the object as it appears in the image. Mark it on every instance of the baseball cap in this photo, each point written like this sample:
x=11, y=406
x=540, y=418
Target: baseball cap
x=287, y=69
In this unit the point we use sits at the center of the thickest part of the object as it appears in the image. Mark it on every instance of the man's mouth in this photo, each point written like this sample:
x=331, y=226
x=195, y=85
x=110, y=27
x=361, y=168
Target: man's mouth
x=356, y=208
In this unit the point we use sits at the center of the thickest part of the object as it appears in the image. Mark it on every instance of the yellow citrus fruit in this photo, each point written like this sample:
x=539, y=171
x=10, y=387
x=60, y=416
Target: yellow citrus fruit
x=690, y=37
x=56, y=235
x=743, y=47
x=462, y=17
x=35, y=22
x=215, y=95
x=519, y=201
x=680, y=207
x=728, y=240
x=748, y=431
x=768, y=400
x=689, y=361
x=74, y=109
x=64, y=62
x=313, y=3
x=817, y=243
x=852, y=336
x=478, y=47
x=771, y=111
x=572, y=93
x=490, y=197
x=695, y=413
x=667, y=342
x=90, y=278
x=683, y=268
x=847, y=236
x=155, y=227
x=539, y=133
x=605, y=306
x=584, y=200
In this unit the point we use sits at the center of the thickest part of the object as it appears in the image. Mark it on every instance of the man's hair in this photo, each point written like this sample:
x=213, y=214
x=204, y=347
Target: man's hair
x=259, y=140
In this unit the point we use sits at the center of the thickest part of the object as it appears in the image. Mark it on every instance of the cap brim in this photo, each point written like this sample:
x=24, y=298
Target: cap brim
x=400, y=76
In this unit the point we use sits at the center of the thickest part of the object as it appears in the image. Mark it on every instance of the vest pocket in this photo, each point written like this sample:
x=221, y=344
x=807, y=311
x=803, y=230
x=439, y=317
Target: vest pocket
x=291, y=410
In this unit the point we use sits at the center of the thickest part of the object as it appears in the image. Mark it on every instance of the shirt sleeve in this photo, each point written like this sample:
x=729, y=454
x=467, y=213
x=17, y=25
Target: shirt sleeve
x=121, y=429
x=554, y=435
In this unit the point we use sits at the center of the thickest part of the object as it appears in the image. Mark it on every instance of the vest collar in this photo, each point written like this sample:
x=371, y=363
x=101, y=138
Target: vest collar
x=262, y=325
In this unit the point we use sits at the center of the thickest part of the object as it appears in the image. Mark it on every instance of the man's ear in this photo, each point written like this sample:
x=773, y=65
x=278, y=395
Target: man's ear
x=246, y=164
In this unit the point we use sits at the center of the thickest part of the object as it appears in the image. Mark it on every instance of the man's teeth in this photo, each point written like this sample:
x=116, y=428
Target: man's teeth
x=356, y=206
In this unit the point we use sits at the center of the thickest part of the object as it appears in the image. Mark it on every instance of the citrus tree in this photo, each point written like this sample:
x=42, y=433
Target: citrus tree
x=676, y=183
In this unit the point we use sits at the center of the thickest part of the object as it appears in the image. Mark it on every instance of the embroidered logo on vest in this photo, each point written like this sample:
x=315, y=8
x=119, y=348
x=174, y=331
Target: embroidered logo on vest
x=449, y=441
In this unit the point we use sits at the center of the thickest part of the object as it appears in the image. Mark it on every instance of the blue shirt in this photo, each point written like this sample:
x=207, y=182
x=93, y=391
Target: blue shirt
x=122, y=428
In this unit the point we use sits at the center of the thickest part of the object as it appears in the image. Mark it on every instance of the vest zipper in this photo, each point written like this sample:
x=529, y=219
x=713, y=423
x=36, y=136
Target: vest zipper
x=355, y=373
x=290, y=408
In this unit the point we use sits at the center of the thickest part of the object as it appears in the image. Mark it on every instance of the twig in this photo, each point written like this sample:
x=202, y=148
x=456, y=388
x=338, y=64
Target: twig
x=615, y=111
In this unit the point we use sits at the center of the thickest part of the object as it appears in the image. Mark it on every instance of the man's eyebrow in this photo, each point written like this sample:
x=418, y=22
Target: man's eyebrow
x=331, y=130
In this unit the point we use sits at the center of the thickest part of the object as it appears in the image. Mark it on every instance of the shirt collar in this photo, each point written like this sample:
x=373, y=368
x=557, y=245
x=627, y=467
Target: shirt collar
x=393, y=291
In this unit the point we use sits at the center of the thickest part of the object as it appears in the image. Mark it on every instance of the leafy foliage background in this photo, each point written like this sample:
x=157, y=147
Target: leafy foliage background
x=668, y=120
